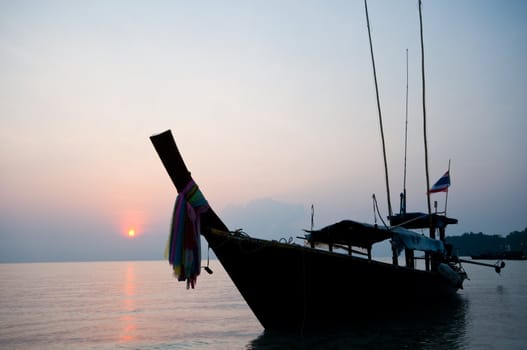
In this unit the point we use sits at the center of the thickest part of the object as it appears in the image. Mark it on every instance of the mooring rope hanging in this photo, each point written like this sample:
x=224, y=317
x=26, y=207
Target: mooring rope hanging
x=376, y=212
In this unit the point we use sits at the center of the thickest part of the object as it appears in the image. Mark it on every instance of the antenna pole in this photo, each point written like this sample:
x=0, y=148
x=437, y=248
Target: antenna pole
x=312, y=216
x=446, y=196
x=379, y=111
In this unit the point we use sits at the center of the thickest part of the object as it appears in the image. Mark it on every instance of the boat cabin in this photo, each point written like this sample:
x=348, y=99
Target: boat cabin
x=348, y=234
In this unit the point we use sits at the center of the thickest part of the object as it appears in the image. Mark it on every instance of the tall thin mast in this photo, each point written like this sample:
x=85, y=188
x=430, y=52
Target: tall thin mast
x=432, y=230
x=379, y=111
x=403, y=207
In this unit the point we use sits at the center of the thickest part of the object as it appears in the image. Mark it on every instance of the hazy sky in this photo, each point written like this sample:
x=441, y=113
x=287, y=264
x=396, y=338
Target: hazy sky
x=272, y=104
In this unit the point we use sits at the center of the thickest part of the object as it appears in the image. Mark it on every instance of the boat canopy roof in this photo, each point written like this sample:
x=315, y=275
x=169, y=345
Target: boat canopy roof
x=353, y=233
x=420, y=220
x=348, y=232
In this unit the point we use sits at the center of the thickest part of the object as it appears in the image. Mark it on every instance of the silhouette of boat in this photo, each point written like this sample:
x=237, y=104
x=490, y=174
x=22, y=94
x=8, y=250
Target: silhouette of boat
x=293, y=286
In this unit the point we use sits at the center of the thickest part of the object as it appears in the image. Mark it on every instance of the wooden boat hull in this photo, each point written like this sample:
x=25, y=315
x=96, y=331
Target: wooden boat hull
x=288, y=286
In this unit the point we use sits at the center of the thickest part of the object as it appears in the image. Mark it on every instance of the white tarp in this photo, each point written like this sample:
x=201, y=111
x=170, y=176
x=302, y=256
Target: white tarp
x=403, y=238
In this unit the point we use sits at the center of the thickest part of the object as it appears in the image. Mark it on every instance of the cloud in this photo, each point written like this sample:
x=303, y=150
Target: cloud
x=267, y=218
x=85, y=237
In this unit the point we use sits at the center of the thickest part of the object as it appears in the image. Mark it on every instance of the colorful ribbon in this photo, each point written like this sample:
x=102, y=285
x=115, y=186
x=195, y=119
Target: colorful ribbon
x=183, y=249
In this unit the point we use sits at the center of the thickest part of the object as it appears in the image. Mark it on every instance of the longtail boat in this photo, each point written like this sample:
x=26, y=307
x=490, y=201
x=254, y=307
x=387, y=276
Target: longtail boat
x=291, y=286
x=297, y=285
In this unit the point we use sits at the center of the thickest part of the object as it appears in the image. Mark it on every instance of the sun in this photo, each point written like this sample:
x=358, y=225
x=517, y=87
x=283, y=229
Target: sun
x=131, y=233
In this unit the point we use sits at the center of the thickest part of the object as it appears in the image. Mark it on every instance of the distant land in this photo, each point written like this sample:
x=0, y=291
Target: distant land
x=478, y=243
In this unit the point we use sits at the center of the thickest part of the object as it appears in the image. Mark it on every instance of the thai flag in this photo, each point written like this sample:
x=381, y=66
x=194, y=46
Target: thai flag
x=442, y=184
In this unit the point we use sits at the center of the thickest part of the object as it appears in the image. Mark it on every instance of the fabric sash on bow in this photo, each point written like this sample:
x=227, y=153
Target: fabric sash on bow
x=183, y=249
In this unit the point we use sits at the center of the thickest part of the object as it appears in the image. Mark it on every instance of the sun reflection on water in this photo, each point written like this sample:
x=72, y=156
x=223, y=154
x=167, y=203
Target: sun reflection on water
x=128, y=306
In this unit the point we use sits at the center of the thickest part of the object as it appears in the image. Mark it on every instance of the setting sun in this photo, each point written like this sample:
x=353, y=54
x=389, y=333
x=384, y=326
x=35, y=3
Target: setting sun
x=131, y=232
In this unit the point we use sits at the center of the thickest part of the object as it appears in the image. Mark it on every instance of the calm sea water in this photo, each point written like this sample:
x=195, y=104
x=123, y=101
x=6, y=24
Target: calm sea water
x=139, y=305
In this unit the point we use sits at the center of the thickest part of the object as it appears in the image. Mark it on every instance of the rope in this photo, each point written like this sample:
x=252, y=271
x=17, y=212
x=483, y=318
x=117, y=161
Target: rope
x=411, y=220
x=284, y=240
x=376, y=210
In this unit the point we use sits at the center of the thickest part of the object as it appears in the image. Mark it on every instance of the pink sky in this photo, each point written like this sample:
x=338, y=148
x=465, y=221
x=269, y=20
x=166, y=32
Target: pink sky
x=266, y=99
